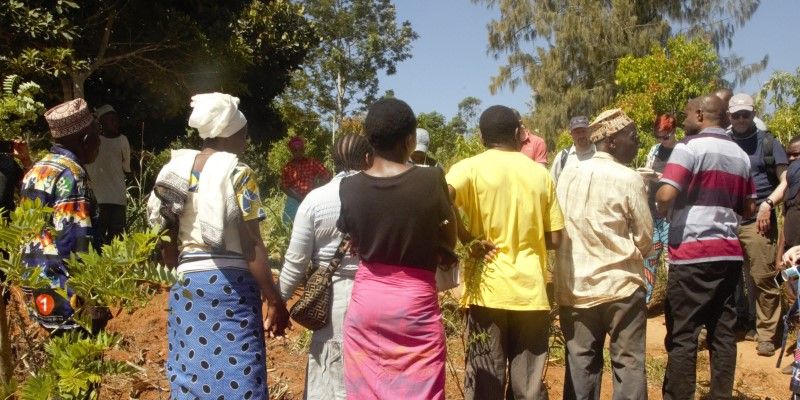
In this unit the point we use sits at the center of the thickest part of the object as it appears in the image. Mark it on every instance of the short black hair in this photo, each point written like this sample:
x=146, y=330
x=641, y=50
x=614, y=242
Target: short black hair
x=794, y=140
x=389, y=121
x=498, y=125
x=349, y=152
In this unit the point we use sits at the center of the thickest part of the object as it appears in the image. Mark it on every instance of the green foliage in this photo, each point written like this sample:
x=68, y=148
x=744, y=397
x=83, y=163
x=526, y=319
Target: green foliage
x=122, y=277
x=358, y=38
x=579, y=42
x=19, y=108
x=448, y=145
x=75, y=369
x=782, y=92
x=663, y=81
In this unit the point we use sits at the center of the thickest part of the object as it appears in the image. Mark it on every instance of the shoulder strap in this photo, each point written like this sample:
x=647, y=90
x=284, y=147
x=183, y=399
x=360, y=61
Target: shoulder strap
x=767, y=149
x=564, y=156
x=343, y=248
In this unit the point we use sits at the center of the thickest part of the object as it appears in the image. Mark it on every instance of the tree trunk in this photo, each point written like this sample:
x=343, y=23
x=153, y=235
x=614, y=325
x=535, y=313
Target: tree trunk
x=6, y=368
x=66, y=88
x=339, y=114
x=78, y=79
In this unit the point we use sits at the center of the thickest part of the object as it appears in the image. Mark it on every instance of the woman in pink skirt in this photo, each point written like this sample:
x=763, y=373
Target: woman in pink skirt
x=400, y=219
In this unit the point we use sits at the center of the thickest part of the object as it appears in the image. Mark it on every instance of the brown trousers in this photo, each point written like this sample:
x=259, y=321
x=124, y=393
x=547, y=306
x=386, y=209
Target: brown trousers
x=759, y=272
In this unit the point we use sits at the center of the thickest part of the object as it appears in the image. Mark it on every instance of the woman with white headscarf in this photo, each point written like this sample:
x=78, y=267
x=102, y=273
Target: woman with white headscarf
x=225, y=298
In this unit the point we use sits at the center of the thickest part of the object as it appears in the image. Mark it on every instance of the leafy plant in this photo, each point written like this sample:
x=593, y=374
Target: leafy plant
x=782, y=92
x=19, y=108
x=122, y=276
x=75, y=369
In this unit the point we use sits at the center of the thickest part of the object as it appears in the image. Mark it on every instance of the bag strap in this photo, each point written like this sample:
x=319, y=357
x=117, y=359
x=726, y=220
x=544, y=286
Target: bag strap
x=767, y=150
x=343, y=248
x=564, y=156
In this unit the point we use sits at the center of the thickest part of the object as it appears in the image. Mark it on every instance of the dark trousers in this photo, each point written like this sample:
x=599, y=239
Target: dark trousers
x=110, y=222
x=500, y=339
x=585, y=330
x=700, y=295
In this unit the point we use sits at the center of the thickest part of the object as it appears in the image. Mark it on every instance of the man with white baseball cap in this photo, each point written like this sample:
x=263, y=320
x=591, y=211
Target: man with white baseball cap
x=420, y=155
x=582, y=148
x=758, y=236
x=107, y=175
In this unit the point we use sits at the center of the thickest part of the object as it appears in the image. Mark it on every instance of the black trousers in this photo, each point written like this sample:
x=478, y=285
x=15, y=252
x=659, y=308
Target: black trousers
x=111, y=222
x=701, y=295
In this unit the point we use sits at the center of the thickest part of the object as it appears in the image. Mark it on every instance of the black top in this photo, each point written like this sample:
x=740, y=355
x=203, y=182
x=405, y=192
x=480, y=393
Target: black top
x=396, y=220
x=659, y=163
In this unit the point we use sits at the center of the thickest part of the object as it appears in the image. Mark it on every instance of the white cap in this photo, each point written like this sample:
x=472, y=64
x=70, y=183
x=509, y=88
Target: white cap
x=740, y=102
x=423, y=139
x=102, y=110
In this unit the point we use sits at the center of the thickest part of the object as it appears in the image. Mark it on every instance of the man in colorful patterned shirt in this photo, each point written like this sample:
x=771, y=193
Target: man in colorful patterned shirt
x=707, y=185
x=299, y=176
x=60, y=182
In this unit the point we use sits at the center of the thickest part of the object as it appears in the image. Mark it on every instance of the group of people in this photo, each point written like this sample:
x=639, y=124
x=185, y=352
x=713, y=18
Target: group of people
x=708, y=200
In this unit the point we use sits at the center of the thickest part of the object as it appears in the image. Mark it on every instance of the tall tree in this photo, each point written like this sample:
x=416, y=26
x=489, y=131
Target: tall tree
x=359, y=38
x=148, y=57
x=566, y=51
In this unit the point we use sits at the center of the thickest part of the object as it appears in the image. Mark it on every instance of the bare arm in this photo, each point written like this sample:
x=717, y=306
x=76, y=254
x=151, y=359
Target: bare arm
x=665, y=196
x=764, y=211
x=276, y=318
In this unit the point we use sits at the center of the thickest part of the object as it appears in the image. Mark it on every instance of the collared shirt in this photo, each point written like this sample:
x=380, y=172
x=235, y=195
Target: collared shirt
x=567, y=157
x=509, y=200
x=535, y=148
x=304, y=174
x=108, y=171
x=608, y=232
x=61, y=183
x=713, y=176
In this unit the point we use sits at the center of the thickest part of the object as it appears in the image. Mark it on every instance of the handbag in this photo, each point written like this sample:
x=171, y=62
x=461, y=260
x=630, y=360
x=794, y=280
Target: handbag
x=313, y=310
x=448, y=275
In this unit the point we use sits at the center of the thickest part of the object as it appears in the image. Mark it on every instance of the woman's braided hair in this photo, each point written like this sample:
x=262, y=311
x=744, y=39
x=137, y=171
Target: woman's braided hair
x=349, y=152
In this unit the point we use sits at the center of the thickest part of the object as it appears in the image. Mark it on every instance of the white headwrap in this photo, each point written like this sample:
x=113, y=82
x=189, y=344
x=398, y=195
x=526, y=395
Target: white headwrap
x=216, y=115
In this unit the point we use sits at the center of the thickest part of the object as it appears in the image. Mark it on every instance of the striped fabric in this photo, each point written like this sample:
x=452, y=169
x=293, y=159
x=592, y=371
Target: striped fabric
x=713, y=175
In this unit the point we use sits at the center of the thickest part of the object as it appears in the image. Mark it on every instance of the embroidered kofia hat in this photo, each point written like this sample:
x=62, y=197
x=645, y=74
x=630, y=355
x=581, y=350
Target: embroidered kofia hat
x=608, y=123
x=68, y=118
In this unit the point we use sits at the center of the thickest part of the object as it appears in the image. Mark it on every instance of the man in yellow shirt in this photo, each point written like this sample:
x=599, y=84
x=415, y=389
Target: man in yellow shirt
x=509, y=203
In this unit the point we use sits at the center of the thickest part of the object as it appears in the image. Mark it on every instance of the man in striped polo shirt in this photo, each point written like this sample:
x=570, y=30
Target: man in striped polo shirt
x=708, y=188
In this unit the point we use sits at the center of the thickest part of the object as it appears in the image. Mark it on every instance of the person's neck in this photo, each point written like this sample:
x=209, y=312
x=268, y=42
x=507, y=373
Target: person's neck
x=502, y=147
x=387, y=165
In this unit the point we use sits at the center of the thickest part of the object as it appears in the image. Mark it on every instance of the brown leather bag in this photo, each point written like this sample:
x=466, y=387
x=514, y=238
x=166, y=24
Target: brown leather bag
x=313, y=310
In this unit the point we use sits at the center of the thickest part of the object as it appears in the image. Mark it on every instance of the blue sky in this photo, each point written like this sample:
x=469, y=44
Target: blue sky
x=450, y=61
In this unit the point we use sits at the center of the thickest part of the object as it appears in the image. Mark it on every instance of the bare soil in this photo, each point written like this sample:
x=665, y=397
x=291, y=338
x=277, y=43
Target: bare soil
x=146, y=347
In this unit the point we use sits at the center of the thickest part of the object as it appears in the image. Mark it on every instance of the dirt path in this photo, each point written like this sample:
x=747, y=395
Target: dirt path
x=756, y=377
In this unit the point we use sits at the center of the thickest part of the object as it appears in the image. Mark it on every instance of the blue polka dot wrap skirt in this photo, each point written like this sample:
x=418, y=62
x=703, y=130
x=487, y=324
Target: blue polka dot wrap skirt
x=216, y=335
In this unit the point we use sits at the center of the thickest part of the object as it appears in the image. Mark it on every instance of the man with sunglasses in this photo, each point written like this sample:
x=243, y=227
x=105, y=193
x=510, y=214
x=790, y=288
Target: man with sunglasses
x=758, y=236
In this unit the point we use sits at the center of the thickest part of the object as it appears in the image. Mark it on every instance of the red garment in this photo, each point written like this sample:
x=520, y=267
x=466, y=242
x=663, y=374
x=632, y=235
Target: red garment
x=534, y=147
x=304, y=174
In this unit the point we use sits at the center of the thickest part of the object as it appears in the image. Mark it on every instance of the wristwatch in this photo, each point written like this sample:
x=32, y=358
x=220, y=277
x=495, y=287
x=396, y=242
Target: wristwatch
x=770, y=202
